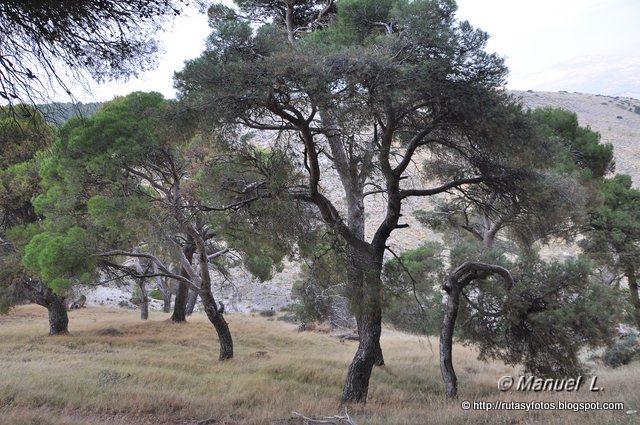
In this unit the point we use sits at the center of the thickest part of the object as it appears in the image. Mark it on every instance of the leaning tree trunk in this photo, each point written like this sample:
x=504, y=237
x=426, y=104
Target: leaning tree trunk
x=446, y=340
x=356, y=387
x=191, y=302
x=216, y=317
x=39, y=293
x=462, y=276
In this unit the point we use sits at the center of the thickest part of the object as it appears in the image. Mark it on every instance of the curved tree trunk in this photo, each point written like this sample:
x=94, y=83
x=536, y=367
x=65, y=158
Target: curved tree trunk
x=191, y=302
x=462, y=276
x=222, y=329
x=446, y=340
x=356, y=387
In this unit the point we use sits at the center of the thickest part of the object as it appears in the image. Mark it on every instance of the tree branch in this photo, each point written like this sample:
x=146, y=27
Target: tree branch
x=440, y=189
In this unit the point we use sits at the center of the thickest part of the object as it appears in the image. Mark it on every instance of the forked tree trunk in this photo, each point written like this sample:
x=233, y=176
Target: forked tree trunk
x=180, y=304
x=364, y=288
x=446, y=341
x=191, y=302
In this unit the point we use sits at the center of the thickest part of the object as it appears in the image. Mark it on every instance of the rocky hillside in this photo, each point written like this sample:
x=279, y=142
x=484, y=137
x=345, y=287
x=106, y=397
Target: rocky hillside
x=613, y=117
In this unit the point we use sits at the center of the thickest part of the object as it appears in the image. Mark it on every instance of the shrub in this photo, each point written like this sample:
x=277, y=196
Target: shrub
x=267, y=313
x=625, y=350
x=156, y=294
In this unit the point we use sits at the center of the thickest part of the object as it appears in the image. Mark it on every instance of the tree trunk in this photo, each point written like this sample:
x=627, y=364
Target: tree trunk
x=356, y=387
x=39, y=293
x=446, y=340
x=633, y=294
x=180, y=304
x=144, y=300
x=378, y=360
x=368, y=313
x=364, y=287
x=217, y=319
x=166, y=297
x=191, y=302
x=58, y=319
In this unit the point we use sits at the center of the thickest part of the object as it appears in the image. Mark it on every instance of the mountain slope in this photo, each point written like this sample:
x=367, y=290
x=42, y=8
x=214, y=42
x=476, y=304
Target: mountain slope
x=613, y=117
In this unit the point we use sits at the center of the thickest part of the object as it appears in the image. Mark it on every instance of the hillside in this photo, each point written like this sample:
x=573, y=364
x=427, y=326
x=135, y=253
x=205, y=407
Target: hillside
x=613, y=117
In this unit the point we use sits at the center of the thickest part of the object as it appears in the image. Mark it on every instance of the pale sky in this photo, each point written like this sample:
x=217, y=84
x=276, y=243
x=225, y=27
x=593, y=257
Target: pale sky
x=588, y=46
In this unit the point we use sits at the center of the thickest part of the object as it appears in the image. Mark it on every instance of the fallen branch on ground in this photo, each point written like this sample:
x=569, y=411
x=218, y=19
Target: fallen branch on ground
x=331, y=420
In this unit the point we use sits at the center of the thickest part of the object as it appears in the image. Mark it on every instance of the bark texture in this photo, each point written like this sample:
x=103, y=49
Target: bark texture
x=446, y=341
x=180, y=304
x=368, y=311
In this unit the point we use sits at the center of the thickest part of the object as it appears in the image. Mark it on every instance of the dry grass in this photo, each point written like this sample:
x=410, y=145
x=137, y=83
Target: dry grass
x=163, y=373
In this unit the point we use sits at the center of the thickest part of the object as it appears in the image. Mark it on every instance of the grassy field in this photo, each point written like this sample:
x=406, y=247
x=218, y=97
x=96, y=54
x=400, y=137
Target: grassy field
x=157, y=372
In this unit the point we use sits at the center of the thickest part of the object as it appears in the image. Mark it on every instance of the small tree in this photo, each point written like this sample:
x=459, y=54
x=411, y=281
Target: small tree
x=134, y=189
x=484, y=228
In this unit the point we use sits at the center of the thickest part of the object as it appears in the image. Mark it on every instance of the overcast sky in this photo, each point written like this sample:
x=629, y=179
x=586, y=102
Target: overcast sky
x=588, y=46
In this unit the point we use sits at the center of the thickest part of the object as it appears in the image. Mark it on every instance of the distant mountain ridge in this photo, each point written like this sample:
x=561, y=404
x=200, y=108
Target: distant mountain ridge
x=60, y=112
